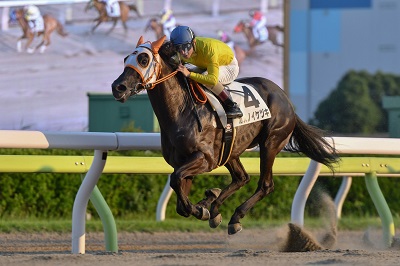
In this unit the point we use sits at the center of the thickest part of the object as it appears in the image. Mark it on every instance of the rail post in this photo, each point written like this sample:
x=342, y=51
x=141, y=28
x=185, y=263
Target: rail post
x=82, y=199
x=381, y=206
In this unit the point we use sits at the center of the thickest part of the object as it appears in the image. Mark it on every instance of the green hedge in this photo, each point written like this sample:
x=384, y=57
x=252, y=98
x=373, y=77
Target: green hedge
x=48, y=195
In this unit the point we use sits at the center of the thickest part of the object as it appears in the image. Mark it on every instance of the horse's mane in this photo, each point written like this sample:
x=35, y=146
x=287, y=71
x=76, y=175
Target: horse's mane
x=166, y=52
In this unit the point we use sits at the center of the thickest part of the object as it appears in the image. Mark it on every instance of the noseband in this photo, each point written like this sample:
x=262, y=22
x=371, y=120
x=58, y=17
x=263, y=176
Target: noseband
x=146, y=63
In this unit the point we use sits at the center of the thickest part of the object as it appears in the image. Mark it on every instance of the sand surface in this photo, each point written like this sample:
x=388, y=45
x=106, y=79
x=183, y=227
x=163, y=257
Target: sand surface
x=249, y=247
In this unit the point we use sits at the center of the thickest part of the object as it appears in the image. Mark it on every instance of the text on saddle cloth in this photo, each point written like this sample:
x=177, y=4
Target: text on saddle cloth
x=249, y=101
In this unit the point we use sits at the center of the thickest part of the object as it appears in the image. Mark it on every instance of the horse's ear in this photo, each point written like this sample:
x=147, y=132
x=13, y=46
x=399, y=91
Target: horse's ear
x=140, y=41
x=155, y=46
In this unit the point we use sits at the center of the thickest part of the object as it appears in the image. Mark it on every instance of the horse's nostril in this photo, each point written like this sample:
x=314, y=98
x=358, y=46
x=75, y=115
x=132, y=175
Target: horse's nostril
x=121, y=88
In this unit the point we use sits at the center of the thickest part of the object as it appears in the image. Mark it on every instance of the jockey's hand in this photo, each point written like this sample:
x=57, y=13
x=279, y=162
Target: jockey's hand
x=183, y=70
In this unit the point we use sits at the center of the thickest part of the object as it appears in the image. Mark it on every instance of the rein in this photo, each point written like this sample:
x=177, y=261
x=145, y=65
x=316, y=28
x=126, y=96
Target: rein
x=151, y=86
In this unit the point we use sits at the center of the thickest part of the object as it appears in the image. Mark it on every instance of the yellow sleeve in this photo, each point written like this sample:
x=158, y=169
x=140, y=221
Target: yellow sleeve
x=211, y=78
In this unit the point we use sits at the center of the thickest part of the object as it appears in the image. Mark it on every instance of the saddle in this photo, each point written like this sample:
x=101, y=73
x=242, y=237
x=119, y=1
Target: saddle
x=249, y=101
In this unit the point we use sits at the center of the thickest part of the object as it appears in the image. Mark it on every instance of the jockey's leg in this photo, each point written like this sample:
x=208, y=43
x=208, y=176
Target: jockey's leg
x=231, y=108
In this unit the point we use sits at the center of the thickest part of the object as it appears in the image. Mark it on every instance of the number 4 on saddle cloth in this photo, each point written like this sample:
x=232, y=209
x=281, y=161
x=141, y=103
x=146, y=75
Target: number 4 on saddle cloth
x=250, y=103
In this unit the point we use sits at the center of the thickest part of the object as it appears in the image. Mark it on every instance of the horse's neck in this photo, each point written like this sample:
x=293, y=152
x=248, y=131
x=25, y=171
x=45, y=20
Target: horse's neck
x=248, y=32
x=169, y=101
x=24, y=24
x=99, y=6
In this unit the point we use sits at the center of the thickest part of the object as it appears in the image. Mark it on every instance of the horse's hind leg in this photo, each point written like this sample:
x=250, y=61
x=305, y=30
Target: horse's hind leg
x=125, y=27
x=95, y=26
x=113, y=26
x=269, y=148
x=19, y=44
x=44, y=44
x=239, y=179
x=28, y=44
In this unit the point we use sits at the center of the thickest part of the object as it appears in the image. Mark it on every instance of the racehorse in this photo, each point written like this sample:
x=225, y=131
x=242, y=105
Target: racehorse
x=103, y=16
x=192, y=135
x=155, y=25
x=50, y=24
x=273, y=33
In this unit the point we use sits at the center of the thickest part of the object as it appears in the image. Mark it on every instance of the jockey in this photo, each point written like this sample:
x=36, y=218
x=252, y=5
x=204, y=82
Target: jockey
x=168, y=22
x=34, y=18
x=112, y=8
x=259, y=25
x=223, y=36
x=213, y=55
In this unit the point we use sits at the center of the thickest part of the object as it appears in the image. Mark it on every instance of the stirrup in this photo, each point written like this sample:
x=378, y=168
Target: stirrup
x=233, y=112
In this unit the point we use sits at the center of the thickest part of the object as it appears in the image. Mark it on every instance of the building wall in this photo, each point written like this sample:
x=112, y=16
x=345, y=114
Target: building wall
x=330, y=37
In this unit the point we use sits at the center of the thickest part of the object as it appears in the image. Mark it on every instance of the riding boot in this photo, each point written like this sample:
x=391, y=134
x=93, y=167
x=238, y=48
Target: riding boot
x=231, y=108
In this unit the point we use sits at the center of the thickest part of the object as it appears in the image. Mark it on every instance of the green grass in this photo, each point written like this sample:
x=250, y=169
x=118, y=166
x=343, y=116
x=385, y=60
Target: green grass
x=173, y=225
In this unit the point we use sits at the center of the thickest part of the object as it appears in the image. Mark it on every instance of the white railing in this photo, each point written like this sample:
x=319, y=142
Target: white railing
x=101, y=143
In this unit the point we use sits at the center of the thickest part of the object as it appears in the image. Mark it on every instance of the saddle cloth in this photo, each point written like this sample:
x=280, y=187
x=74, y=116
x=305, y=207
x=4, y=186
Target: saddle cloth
x=249, y=101
x=113, y=9
x=36, y=25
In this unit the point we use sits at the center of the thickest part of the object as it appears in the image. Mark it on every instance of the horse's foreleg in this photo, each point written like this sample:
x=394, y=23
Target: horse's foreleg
x=180, y=182
x=28, y=44
x=186, y=185
x=239, y=179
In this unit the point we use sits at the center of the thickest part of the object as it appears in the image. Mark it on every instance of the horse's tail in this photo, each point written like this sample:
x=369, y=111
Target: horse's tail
x=309, y=140
x=60, y=29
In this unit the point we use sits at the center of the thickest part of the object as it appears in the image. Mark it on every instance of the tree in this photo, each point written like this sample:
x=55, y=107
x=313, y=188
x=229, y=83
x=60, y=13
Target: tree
x=349, y=108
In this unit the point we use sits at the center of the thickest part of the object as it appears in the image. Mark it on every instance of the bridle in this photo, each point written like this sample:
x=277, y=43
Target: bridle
x=141, y=60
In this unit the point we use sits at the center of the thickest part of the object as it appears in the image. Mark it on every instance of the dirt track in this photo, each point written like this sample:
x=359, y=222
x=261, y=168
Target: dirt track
x=249, y=247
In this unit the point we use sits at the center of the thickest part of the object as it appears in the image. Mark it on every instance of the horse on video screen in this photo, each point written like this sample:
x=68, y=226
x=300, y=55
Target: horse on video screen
x=155, y=25
x=104, y=17
x=274, y=32
x=50, y=24
x=192, y=135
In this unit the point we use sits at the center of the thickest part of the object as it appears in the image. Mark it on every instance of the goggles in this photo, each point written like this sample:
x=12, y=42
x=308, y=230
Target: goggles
x=183, y=47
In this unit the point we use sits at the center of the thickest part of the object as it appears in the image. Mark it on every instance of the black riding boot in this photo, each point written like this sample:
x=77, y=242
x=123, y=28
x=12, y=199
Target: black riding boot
x=231, y=108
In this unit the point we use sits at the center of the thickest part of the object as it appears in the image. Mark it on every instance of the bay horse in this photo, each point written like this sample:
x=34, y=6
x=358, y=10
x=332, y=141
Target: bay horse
x=104, y=17
x=192, y=149
x=50, y=24
x=155, y=25
x=273, y=34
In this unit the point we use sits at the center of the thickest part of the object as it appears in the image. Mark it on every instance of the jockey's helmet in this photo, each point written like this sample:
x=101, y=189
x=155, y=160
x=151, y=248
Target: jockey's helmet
x=255, y=14
x=182, y=35
x=223, y=36
x=165, y=15
x=31, y=12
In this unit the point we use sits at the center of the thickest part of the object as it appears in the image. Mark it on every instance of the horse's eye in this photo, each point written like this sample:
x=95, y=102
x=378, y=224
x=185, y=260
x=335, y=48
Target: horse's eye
x=143, y=60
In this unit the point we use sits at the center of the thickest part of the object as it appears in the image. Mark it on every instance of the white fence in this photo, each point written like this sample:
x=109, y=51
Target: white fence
x=101, y=143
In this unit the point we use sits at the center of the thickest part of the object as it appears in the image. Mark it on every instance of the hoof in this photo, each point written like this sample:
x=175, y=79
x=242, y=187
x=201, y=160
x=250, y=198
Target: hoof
x=214, y=192
x=234, y=228
x=214, y=222
x=205, y=216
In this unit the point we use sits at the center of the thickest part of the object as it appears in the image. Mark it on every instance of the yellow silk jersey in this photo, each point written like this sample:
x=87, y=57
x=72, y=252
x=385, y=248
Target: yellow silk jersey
x=209, y=54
